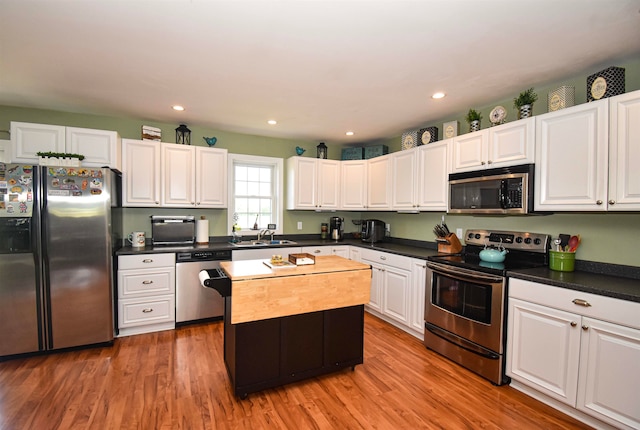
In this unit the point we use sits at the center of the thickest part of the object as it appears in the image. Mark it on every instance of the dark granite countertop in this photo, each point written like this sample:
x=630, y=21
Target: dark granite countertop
x=408, y=248
x=596, y=283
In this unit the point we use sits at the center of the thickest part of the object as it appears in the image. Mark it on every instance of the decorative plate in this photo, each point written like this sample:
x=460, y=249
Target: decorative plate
x=450, y=129
x=409, y=139
x=428, y=135
x=498, y=115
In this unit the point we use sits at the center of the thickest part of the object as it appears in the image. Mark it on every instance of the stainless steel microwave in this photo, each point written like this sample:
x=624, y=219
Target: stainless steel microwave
x=502, y=191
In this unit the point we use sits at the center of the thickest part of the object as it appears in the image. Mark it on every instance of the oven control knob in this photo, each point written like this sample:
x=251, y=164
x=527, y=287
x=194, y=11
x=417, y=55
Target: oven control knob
x=527, y=240
x=470, y=235
x=518, y=239
x=477, y=236
x=537, y=241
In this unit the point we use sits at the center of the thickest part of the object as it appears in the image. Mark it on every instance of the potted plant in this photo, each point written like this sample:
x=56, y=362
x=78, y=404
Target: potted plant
x=524, y=103
x=473, y=118
x=59, y=159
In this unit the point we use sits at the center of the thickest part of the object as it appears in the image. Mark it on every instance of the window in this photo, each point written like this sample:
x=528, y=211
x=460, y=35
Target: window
x=256, y=192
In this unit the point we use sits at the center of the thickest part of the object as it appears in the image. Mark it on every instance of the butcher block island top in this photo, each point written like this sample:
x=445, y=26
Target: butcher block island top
x=259, y=292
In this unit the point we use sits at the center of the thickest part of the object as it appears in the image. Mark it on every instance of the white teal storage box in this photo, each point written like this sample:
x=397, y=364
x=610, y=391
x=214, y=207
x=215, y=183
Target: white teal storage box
x=356, y=153
x=375, y=151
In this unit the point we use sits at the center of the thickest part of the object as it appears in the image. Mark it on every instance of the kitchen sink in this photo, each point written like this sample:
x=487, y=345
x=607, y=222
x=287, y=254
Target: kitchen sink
x=263, y=243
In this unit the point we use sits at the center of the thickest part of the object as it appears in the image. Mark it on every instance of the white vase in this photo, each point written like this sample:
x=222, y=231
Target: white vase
x=525, y=111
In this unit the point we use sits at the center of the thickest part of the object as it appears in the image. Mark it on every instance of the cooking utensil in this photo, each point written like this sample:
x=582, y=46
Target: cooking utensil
x=564, y=241
x=557, y=242
x=573, y=243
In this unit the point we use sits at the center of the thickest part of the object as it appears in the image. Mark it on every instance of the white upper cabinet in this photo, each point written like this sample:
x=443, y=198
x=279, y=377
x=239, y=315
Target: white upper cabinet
x=572, y=158
x=141, y=168
x=211, y=177
x=313, y=184
x=353, y=185
x=434, y=166
x=178, y=175
x=100, y=147
x=29, y=139
x=503, y=145
x=404, y=177
x=624, y=152
x=379, y=172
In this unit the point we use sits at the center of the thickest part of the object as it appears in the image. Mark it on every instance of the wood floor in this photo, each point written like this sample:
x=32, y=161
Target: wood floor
x=177, y=380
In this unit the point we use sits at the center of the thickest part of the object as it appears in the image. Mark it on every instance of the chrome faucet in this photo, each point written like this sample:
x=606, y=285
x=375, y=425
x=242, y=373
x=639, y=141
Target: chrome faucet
x=265, y=232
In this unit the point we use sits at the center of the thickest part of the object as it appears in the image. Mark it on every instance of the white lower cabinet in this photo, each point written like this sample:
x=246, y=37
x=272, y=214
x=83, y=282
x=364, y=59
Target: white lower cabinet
x=391, y=287
x=339, y=250
x=580, y=351
x=419, y=280
x=146, y=293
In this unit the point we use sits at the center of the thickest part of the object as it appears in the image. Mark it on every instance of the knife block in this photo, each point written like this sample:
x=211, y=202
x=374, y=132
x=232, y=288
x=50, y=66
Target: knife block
x=449, y=244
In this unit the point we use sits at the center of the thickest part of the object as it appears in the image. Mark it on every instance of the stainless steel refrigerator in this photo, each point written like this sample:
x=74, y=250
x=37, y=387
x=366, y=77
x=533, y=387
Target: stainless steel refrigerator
x=56, y=277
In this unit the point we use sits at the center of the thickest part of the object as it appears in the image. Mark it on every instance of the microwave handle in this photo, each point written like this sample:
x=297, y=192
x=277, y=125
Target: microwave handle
x=503, y=193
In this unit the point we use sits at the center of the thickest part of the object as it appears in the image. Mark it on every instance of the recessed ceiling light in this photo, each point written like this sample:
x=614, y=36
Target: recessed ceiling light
x=272, y=122
x=438, y=95
x=178, y=107
x=349, y=133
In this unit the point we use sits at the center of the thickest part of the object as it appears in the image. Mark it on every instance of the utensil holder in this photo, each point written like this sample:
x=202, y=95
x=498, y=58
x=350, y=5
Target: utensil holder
x=562, y=261
x=449, y=244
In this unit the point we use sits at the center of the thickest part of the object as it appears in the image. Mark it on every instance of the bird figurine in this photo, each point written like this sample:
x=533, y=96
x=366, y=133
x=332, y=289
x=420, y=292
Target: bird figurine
x=299, y=150
x=210, y=140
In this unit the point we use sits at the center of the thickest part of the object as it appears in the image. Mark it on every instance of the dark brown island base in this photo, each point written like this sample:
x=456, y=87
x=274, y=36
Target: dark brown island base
x=287, y=324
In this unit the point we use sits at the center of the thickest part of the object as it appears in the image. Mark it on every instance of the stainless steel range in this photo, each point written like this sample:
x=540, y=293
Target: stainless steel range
x=465, y=301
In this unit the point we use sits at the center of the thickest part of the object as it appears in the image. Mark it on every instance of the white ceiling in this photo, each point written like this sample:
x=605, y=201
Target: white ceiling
x=319, y=68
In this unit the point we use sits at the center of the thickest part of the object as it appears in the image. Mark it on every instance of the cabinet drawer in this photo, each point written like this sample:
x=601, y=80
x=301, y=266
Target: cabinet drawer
x=399, y=261
x=146, y=261
x=136, y=283
x=591, y=305
x=136, y=312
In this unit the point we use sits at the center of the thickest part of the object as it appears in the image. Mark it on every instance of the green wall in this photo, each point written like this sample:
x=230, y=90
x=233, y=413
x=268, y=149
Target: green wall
x=606, y=237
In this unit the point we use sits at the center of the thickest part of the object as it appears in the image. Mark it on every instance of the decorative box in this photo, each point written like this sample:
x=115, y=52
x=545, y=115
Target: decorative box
x=302, y=259
x=427, y=135
x=375, y=151
x=606, y=83
x=356, y=153
x=561, y=98
x=450, y=129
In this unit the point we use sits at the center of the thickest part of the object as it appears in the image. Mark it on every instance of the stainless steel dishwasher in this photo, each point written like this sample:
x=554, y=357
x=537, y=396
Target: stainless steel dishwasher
x=193, y=301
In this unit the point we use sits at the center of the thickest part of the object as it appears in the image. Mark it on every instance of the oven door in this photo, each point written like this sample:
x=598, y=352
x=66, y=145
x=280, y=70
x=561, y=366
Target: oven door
x=467, y=303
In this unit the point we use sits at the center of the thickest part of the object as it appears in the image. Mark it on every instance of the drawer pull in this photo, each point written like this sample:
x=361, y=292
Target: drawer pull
x=147, y=310
x=585, y=327
x=581, y=302
x=317, y=251
x=382, y=257
x=147, y=282
x=147, y=260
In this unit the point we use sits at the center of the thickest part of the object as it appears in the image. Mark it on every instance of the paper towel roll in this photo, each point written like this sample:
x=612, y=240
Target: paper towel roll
x=202, y=231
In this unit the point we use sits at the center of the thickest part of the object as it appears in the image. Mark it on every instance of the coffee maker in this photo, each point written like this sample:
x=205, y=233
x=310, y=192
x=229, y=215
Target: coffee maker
x=336, y=228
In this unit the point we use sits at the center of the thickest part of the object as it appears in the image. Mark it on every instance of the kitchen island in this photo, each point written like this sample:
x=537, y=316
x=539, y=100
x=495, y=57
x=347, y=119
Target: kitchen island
x=287, y=324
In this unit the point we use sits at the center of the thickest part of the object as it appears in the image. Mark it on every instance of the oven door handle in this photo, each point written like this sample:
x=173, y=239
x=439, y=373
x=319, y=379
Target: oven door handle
x=463, y=274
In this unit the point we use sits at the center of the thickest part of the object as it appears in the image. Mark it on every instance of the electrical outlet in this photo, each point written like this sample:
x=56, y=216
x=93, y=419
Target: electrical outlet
x=459, y=233
x=299, y=225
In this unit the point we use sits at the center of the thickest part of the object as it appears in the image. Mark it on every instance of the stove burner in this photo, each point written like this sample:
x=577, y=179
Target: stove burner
x=526, y=250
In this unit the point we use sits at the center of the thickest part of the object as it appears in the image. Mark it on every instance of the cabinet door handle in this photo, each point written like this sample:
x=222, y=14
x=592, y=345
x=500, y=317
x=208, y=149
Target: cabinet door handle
x=585, y=327
x=147, y=310
x=598, y=202
x=612, y=202
x=489, y=162
x=573, y=323
x=581, y=302
x=147, y=260
x=147, y=282
x=482, y=163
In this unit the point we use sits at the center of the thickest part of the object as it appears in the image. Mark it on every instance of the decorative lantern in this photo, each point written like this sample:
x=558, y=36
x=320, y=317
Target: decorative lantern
x=322, y=151
x=183, y=135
